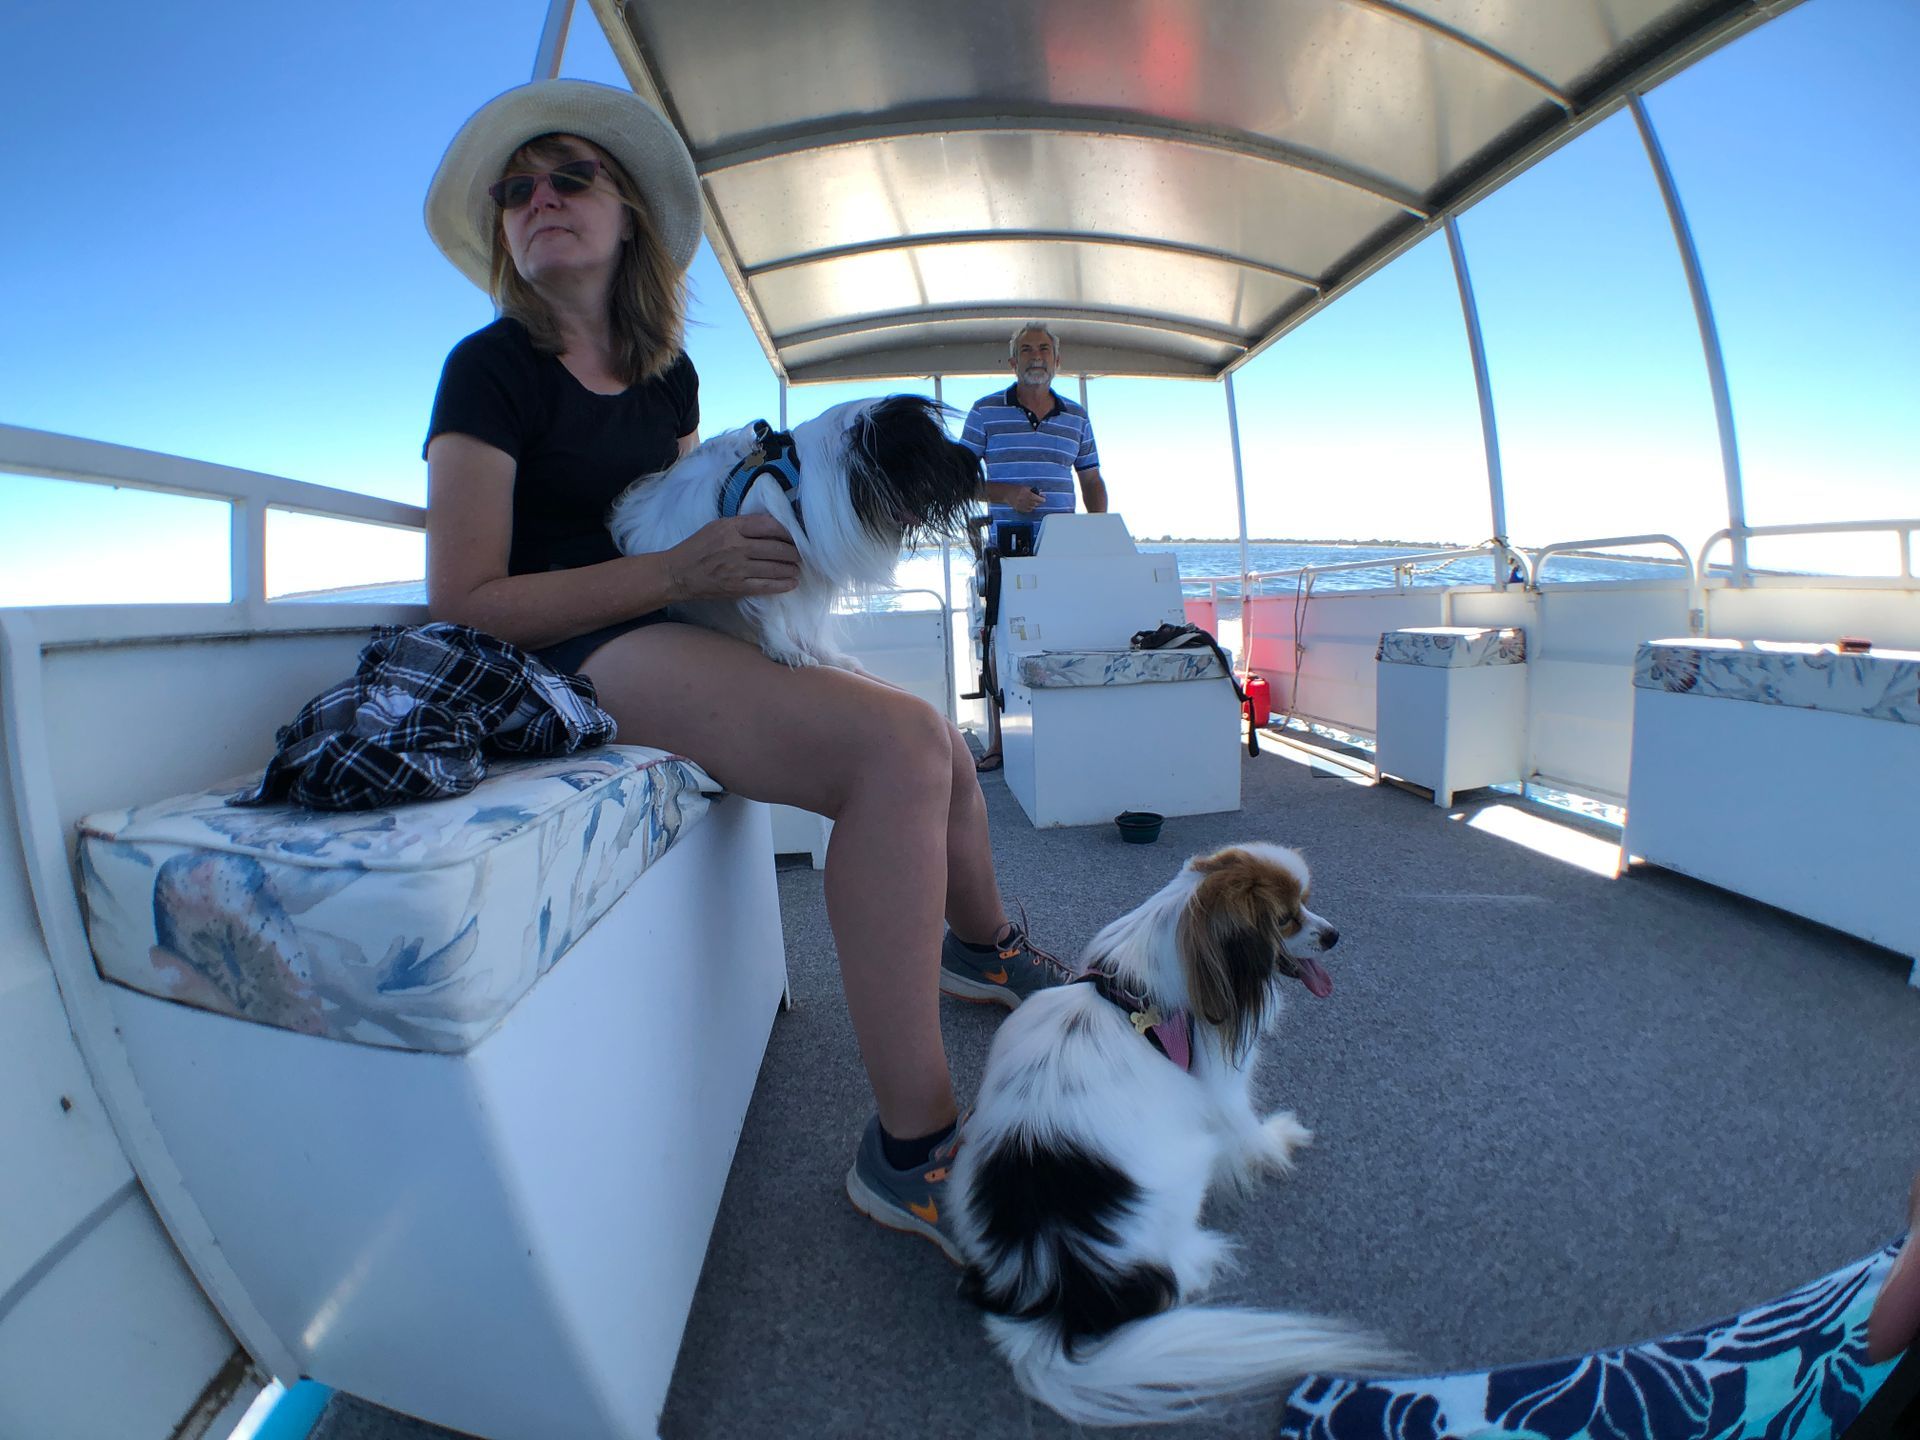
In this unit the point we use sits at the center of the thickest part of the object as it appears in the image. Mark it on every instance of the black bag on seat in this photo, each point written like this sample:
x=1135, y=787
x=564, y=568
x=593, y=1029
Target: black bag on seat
x=1175, y=637
x=1192, y=637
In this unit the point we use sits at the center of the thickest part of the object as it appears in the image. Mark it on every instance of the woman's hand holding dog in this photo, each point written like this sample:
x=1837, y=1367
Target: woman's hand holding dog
x=734, y=558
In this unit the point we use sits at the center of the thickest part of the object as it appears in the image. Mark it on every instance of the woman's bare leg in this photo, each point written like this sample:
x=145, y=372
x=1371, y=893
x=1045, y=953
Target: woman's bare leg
x=1894, y=1323
x=879, y=762
x=992, y=752
x=975, y=910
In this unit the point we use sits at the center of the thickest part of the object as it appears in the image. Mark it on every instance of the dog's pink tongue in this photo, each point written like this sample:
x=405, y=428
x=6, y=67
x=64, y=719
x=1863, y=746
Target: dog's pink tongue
x=1314, y=976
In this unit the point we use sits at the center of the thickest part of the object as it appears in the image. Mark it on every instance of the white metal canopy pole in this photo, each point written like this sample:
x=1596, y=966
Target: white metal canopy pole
x=1489, y=432
x=1709, y=340
x=946, y=589
x=1240, y=498
x=553, y=40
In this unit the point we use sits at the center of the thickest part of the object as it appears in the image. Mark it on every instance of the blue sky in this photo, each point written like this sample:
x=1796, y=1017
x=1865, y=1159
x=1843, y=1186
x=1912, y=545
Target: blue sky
x=237, y=272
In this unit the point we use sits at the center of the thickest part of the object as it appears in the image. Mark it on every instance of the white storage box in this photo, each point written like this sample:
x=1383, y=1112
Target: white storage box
x=418, y=926
x=1093, y=727
x=1785, y=772
x=455, y=1085
x=1452, y=707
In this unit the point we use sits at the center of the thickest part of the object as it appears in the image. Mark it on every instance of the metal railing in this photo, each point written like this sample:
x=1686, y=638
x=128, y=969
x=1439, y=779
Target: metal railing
x=1404, y=567
x=249, y=493
x=252, y=494
x=1742, y=573
x=1583, y=547
x=950, y=681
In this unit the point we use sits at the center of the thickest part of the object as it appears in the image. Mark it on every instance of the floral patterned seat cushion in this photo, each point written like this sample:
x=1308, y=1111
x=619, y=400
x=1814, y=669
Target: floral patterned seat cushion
x=416, y=926
x=1878, y=684
x=1067, y=669
x=1453, y=647
x=1796, y=1367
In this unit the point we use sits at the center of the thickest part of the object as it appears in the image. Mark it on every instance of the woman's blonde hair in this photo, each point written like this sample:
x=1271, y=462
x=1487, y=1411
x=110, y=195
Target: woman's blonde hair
x=648, y=304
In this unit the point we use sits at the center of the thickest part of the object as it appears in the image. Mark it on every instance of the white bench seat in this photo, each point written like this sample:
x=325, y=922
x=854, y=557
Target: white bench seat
x=417, y=926
x=1873, y=684
x=1779, y=771
x=454, y=1086
x=436, y=1103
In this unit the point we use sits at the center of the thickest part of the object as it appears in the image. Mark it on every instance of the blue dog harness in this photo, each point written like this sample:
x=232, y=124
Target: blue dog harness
x=775, y=454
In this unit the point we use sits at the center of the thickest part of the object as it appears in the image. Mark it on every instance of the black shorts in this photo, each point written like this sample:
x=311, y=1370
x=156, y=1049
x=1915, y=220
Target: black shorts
x=569, y=655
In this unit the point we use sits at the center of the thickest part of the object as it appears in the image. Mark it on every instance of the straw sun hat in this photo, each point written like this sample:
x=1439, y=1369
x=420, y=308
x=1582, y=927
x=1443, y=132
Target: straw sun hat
x=461, y=215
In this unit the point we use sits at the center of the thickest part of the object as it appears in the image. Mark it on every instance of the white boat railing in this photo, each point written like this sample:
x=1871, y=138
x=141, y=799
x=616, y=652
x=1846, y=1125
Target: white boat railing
x=1742, y=574
x=1582, y=635
x=1587, y=548
x=1319, y=658
x=250, y=494
x=871, y=615
x=1404, y=567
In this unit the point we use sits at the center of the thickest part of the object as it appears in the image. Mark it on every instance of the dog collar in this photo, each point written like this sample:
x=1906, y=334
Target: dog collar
x=1171, y=1035
x=773, y=453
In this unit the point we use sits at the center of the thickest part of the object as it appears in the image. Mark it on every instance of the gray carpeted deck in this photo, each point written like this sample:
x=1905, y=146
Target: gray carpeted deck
x=1554, y=1112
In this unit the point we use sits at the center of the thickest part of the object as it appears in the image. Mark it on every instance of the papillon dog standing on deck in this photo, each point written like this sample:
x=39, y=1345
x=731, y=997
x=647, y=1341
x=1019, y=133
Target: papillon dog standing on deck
x=851, y=486
x=1109, y=1108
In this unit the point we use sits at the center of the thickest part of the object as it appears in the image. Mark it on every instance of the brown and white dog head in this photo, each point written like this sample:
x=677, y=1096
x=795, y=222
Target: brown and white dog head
x=1245, y=925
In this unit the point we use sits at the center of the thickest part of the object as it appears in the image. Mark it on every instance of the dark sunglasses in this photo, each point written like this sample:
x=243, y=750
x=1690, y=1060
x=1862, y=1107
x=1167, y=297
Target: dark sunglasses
x=573, y=178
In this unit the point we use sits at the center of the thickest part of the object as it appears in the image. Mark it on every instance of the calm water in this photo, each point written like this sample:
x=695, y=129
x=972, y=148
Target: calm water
x=1202, y=560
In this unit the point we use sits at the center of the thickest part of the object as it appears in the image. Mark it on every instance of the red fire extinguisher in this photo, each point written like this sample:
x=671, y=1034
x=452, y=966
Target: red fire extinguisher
x=1259, y=703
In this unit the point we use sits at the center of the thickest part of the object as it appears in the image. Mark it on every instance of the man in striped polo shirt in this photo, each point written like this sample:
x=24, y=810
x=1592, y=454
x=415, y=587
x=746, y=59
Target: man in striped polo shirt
x=1031, y=443
x=1031, y=440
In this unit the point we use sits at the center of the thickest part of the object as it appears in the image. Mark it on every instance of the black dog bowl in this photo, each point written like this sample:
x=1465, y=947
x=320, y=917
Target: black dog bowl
x=1139, y=827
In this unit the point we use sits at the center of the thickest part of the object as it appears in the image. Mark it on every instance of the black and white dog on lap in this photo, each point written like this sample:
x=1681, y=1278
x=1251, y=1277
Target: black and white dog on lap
x=852, y=486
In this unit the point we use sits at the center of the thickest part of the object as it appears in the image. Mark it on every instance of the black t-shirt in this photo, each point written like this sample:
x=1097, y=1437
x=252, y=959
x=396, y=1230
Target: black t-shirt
x=575, y=450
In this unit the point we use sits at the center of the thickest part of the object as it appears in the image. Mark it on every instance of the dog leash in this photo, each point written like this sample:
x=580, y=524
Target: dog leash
x=1192, y=637
x=774, y=454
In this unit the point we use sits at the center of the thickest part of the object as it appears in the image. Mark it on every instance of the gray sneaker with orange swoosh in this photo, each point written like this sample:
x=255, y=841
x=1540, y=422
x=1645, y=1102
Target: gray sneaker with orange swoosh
x=1004, y=974
x=913, y=1200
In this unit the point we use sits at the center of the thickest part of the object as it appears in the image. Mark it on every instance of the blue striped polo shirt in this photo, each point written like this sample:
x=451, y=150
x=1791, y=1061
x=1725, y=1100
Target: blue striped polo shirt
x=1020, y=450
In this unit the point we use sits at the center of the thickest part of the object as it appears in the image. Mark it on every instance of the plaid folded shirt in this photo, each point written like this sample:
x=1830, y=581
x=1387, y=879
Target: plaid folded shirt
x=417, y=718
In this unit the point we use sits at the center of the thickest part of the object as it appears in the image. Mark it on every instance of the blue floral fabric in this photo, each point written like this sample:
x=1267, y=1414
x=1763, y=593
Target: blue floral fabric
x=1876, y=684
x=1066, y=669
x=1792, y=1370
x=1453, y=647
x=415, y=926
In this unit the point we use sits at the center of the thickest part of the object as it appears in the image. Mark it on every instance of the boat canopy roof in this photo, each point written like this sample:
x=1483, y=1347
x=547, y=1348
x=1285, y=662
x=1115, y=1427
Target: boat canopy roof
x=892, y=187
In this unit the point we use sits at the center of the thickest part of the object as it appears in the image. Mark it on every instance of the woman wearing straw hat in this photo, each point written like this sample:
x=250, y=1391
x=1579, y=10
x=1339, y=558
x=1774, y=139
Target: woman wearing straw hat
x=576, y=207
